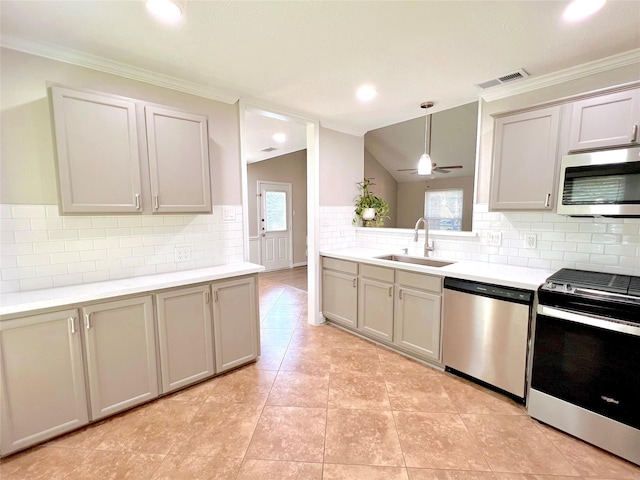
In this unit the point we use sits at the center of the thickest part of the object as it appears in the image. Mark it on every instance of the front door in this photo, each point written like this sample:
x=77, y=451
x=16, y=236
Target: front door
x=275, y=224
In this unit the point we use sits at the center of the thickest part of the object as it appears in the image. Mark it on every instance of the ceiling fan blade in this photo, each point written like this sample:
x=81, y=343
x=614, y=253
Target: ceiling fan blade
x=441, y=170
x=406, y=170
x=451, y=166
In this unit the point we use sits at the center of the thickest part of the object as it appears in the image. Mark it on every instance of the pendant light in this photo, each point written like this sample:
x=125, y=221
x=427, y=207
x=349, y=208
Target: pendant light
x=424, y=164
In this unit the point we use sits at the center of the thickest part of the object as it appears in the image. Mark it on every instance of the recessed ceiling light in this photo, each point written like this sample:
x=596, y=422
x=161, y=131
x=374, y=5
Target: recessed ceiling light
x=366, y=93
x=165, y=10
x=279, y=137
x=580, y=9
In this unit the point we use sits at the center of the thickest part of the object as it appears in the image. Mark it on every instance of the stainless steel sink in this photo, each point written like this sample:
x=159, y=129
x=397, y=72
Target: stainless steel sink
x=429, y=262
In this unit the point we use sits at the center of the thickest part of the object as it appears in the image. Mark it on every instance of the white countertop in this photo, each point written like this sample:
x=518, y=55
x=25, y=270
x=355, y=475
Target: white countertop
x=21, y=302
x=495, y=273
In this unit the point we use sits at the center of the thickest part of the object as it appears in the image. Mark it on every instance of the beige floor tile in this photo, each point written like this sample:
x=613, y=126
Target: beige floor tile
x=278, y=470
x=102, y=465
x=418, y=393
x=588, y=460
x=245, y=385
x=365, y=392
x=41, y=463
x=514, y=444
x=299, y=389
x=429, y=474
x=528, y=476
x=271, y=357
x=313, y=361
x=195, y=394
x=218, y=430
x=280, y=320
x=289, y=433
x=437, y=440
x=469, y=397
x=393, y=363
x=359, y=472
x=354, y=361
x=362, y=437
x=275, y=336
x=87, y=438
x=184, y=467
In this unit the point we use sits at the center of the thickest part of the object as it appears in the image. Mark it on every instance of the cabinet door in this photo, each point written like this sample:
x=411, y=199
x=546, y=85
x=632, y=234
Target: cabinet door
x=178, y=161
x=97, y=146
x=417, y=323
x=235, y=323
x=185, y=336
x=605, y=121
x=340, y=298
x=121, y=354
x=375, y=309
x=525, y=160
x=42, y=390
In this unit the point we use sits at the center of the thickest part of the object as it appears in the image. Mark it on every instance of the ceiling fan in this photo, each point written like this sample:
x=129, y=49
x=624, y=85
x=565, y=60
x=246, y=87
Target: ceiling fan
x=425, y=166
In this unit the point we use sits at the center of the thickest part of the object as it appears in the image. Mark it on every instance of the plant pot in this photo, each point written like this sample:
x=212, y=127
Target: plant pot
x=369, y=214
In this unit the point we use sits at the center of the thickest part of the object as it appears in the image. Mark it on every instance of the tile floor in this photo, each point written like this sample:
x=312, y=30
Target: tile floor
x=321, y=404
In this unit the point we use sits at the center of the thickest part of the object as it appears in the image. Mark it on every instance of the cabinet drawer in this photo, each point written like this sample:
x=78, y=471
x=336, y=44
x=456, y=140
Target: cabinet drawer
x=377, y=273
x=340, y=265
x=423, y=282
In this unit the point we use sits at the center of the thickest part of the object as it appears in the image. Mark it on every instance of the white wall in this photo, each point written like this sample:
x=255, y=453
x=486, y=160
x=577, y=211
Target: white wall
x=385, y=187
x=341, y=167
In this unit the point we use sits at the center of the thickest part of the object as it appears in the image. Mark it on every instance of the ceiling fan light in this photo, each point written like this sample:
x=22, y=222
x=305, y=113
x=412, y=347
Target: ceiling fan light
x=165, y=10
x=424, y=164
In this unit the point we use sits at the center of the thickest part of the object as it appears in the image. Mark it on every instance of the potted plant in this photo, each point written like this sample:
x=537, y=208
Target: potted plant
x=370, y=209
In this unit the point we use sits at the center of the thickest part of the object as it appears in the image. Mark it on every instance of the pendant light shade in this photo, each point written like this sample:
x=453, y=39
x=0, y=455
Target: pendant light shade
x=424, y=164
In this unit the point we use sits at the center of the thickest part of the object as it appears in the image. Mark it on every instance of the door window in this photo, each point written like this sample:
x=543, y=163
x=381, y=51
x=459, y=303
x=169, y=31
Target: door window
x=275, y=211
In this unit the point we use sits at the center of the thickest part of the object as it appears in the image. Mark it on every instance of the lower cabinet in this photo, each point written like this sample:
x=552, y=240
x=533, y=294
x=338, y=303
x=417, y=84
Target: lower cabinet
x=185, y=336
x=340, y=291
x=121, y=354
x=42, y=389
x=417, y=314
x=375, y=302
x=235, y=323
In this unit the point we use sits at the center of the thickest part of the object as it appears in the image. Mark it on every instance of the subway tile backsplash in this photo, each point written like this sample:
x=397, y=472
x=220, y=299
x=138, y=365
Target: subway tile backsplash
x=40, y=249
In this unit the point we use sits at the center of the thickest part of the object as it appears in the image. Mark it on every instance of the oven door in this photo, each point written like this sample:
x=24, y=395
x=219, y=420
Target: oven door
x=588, y=361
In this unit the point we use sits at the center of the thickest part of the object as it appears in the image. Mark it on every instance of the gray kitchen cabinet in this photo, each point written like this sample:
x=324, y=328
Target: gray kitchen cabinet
x=340, y=291
x=375, y=302
x=178, y=146
x=605, y=121
x=235, y=323
x=98, y=159
x=121, y=354
x=525, y=155
x=185, y=336
x=417, y=318
x=42, y=390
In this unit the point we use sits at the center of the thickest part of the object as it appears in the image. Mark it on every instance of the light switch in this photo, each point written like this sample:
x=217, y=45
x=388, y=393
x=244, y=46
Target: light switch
x=228, y=213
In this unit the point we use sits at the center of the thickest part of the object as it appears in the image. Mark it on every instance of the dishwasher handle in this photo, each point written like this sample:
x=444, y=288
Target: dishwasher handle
x=498, y=292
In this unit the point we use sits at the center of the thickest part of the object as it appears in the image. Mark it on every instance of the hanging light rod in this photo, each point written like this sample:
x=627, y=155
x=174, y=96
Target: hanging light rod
x=424, y=164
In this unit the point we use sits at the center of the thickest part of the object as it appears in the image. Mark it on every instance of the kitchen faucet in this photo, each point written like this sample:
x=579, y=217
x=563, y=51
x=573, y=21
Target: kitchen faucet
x=427, y=248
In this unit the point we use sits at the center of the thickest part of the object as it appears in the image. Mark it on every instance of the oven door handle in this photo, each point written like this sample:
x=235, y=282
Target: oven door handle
x=599, y=322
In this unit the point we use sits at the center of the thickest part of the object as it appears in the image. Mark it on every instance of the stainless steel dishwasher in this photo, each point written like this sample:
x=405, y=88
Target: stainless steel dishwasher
x=486, y=333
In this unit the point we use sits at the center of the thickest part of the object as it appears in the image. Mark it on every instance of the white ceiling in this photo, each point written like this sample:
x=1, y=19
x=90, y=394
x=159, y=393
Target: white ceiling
x=308, y=58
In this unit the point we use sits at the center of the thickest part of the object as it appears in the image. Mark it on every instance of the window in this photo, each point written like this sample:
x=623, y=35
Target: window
x=275, y=211
x=443, y=209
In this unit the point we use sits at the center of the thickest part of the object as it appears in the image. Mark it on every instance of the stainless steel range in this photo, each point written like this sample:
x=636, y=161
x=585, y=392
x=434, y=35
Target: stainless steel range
x=585, y=373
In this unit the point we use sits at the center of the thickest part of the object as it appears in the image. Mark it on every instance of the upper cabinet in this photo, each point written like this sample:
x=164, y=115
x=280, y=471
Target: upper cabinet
x=605, y=121
x=110, y=160
x=524, y=160
x=178, y=161
x=98, y=157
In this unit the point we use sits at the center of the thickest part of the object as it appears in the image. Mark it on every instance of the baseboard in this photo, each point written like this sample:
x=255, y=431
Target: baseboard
x=301, y=264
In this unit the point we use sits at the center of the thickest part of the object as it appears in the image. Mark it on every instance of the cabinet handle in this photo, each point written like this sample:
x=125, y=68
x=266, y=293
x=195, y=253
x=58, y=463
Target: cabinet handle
x=391, y=291
x=137, y=201
x=215, y=296
x=155, y=202
x=400, y=294
x=87, y=321
x=634, y=134
x=206, y=296
x=72, y=323
x=355, y=282
x=547, y=201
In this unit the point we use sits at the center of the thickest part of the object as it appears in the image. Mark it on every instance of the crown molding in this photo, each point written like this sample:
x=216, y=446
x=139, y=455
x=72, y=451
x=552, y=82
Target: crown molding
x=101, y=64
x=604, y=64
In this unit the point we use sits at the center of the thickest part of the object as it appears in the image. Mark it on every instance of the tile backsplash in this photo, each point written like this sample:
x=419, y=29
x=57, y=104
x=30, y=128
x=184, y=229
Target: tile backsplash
x=336, y=229
x=41, y=249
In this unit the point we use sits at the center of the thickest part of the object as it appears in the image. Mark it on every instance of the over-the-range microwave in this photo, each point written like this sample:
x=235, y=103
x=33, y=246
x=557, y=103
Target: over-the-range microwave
x=600, y=183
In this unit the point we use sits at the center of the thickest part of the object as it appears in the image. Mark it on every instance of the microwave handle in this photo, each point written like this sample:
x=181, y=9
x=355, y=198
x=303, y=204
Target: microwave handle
x=547, y=201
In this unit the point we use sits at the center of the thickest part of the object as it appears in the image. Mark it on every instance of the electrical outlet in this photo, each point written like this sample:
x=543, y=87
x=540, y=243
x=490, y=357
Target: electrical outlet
x=183, y=254
x=530, y=240
x=494, y=238
x=228, y=213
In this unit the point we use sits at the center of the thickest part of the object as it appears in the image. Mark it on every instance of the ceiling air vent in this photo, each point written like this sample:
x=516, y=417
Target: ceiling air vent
x=509, y=77
x=268, y=149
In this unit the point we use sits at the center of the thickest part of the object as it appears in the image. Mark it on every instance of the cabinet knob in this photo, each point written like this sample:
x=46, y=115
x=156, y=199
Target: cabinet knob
x=355, y=282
